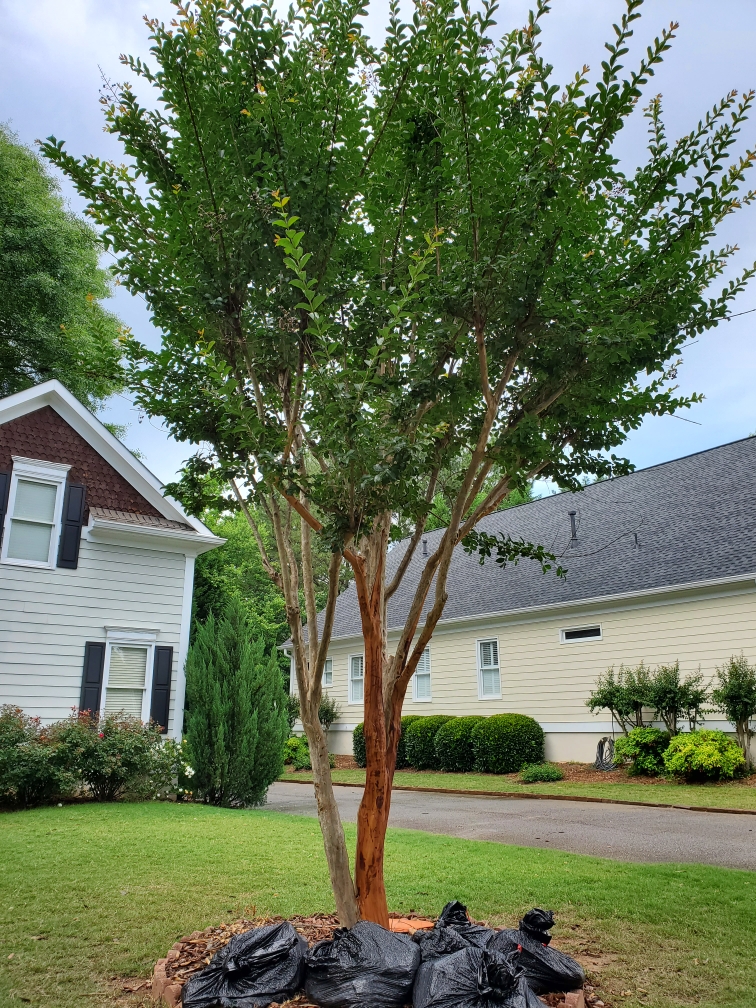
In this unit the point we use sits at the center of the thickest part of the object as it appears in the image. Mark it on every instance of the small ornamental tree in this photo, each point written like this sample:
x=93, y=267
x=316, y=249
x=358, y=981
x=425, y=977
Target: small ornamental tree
x=674, y=698
x=735, y=696
x=236, y=722
x=376, y=265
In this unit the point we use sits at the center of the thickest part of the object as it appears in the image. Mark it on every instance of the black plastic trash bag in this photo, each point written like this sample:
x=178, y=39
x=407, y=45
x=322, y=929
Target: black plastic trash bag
x=365, y=966
x=438, y=942
x=454, y=915
x=547, y=969
x=253, y=970
x=473, y=978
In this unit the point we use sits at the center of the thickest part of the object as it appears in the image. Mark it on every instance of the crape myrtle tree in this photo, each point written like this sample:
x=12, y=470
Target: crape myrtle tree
x=372, y=265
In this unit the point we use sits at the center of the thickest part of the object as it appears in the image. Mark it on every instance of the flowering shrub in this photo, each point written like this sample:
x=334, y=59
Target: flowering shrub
x=643, y=749
x=704, y=755
x=30, y=770
x=118, y=756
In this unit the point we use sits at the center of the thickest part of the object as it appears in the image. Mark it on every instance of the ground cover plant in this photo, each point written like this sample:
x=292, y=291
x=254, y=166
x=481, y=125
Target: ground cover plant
x=616, y=784
x=92, y=893
x=374, y=266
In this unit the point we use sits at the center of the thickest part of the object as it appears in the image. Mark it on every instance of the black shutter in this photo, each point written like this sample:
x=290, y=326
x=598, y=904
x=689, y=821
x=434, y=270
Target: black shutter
x=5, y=479
x=91, y=683
x=161, y=686
x=70, y=532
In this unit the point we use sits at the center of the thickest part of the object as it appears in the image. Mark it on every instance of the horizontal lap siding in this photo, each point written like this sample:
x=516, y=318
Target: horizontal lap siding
x=551, y=681
x=47, y=616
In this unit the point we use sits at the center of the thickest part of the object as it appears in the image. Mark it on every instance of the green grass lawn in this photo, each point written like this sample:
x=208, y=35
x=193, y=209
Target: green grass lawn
x=734, y=795
x=90, y=893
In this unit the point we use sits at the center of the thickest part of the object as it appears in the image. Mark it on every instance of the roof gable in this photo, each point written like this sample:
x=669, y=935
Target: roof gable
x=49, y=423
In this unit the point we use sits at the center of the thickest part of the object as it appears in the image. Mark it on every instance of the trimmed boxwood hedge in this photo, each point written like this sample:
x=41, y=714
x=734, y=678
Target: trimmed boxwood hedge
x=505, y=743
x=453, y=744
x=358, y=743
x=420, y=741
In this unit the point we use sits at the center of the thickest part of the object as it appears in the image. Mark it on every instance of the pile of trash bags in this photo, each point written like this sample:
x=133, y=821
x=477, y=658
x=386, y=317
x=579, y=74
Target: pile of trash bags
x=456, y=964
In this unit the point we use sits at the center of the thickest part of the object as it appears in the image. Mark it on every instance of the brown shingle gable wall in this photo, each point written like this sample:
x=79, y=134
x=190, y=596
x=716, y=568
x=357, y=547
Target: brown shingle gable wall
x=46, y=436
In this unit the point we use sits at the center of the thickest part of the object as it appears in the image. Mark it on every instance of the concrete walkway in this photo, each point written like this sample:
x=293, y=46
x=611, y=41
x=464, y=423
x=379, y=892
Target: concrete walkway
x=623, y=832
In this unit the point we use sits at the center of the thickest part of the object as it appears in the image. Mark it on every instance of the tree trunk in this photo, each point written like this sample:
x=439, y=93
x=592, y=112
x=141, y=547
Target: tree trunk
x=337, y=856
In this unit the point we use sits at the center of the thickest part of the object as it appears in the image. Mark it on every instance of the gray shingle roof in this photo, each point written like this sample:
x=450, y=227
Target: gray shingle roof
x=694, y=519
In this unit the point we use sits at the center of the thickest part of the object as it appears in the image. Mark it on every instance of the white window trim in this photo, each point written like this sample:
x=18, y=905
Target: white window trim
x=44, y=472
x=481, y=694
x=327, y=685
x=357, y=654
x=415, y=697
x=581, y=640
x=130, y=641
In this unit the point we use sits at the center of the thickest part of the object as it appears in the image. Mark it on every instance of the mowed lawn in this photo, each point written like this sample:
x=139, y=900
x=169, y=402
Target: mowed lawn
x=91, y=893
x=738, y=794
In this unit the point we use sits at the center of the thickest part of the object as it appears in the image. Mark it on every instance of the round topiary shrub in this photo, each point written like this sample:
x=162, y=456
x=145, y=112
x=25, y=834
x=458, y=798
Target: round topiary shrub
x=540, y=772
x=643, y=749
x=704, y=755
x=358, y=745
x=420, y=741
x=401, y=749
x=504, y=743
x=453, y=744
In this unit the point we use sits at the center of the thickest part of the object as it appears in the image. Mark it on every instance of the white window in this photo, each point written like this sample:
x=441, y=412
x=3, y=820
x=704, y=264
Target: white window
x=35, y=502
x=421, y=680
x=328, y=672
x=489, y=678
x=356, y=678
x=584, y=633
x=128, y=678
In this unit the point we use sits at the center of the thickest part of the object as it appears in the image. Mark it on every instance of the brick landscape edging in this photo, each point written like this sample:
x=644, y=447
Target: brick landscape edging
x=537, y=794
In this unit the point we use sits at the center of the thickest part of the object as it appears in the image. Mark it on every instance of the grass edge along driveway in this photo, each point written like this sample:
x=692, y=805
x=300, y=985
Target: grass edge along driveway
x=737, y=795
x=93, y=892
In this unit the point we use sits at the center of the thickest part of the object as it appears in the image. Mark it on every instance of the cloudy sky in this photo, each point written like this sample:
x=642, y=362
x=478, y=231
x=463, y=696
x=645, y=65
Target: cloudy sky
x=54, y=52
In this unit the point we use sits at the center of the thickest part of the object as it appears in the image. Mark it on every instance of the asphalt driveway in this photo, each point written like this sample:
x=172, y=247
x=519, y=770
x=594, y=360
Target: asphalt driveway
x=623, y=832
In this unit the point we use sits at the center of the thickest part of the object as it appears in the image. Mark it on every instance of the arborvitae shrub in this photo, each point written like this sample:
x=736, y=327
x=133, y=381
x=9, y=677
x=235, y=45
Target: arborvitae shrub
x=358, y=743
x=237, y=712
x=505, y=743
x=453, y=744
x=421, y=739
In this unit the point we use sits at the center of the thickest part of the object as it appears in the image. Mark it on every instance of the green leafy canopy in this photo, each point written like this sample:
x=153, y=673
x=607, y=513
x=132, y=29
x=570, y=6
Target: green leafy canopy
x=371, y=257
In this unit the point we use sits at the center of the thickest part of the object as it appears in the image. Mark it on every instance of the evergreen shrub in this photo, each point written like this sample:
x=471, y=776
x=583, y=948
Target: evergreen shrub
x=299, y=748
x=401, y=749
x=358, y=743
x=643, y=749
x=453, y=744
x=421, y=741
x=505, y=743
x=540, y=772
x=237, y=716
x=704, y=755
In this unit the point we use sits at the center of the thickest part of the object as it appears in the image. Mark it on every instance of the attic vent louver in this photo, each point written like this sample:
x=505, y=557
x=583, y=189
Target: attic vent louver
x=573, y=528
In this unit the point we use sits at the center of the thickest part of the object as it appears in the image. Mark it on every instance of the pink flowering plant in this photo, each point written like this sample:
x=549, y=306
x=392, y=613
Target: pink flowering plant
x=116, y=756
x=30, y=771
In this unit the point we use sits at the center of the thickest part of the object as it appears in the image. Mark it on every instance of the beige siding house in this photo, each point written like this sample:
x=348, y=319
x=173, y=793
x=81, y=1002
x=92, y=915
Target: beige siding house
x=661, y=566
x=96, y=568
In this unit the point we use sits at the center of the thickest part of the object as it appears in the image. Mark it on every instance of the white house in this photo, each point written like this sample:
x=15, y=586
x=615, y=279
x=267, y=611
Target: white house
x=661, y=567
x=96, y=568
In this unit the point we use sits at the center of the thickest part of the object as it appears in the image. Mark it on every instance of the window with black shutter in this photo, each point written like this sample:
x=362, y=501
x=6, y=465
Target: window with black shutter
x=161, y=686
x=70, y=526
x=91, y=682
x=5, y=481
